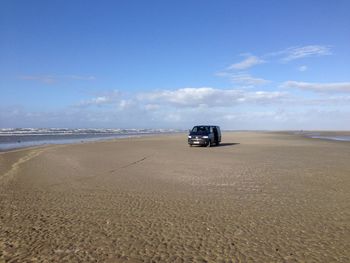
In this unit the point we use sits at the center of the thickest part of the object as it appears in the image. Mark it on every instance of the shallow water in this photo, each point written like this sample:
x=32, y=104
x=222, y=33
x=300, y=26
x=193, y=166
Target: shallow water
x=327, y=135
x=27, y=137
x=334, y=138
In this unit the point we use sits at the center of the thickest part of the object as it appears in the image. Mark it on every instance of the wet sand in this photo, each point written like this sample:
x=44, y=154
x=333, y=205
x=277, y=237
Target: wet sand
x=259, y=197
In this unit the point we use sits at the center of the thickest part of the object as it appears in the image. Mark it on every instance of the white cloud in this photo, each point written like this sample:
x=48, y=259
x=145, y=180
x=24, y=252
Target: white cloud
x=248, y=79
x=256, y=115
x=302, y=68
x=47, y=79
x=173, y=117
x=50, y=79
x=182, y=108
x=206, y=96
x=126, y=104
x=249, y=62
x=79, y=77
x=184, y=97
x=107, y=98
x=275, y=116
x=319, y=87
x=152, y=107
x=265, y=96
x=329, y=100
x=243, y=78
x=293, y=53
x=95, y=101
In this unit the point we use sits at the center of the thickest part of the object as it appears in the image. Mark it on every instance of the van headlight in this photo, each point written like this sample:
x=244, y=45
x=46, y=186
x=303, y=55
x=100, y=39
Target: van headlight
x=189, y=136
x=205, y=137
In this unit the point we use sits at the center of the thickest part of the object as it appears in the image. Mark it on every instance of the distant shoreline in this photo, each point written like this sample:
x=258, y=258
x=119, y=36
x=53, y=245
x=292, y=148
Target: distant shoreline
x=40, y=137
x=27, y=138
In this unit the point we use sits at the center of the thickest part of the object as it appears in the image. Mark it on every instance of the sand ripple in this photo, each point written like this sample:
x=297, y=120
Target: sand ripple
x=271, y=198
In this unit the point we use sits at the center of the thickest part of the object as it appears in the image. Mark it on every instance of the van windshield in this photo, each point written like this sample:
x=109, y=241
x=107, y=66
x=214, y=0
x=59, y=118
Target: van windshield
x=200, y=129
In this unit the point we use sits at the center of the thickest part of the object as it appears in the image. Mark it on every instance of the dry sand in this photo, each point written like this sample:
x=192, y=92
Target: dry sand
x=260, y=197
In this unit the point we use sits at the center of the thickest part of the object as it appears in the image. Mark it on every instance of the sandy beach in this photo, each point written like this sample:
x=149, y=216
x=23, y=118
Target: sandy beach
x=259, y=197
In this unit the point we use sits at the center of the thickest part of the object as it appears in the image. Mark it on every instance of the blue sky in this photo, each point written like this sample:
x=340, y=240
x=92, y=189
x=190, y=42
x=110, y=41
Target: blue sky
x=173, y=64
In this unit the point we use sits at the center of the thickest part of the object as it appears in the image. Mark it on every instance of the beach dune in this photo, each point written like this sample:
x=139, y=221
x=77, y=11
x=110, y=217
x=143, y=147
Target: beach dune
x=259, y=197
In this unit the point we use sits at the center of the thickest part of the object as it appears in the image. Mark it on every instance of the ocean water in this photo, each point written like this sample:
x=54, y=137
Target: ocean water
x=334, y=138
x=26, y=137
x=320, y=135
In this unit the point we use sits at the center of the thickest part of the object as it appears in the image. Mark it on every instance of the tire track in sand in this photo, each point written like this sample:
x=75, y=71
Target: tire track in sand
x=9, y=175
x=129, y=164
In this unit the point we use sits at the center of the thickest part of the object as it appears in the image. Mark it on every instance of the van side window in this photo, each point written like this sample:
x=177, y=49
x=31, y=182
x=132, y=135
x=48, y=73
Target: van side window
x=211, y=129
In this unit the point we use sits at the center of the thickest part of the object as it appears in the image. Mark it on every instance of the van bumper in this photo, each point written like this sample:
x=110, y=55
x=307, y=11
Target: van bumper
x=198, y=141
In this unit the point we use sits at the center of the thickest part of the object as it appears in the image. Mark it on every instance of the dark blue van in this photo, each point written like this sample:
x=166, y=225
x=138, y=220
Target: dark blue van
x=204, y=135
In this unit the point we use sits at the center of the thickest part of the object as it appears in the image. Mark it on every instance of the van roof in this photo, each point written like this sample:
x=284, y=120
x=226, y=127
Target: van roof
x=206, y=125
